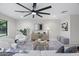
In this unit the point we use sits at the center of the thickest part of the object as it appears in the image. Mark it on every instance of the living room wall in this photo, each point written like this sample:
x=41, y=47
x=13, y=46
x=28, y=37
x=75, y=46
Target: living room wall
x=6, y=41
x=74, y=29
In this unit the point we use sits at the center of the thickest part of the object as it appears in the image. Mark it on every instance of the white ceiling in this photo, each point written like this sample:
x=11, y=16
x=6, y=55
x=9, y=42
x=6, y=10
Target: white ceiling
x=9, y=8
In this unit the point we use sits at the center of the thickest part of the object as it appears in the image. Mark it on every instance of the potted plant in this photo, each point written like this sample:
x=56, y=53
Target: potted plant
x=24, y=31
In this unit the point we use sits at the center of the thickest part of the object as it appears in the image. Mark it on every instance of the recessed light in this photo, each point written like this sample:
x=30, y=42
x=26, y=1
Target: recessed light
x=54, y=16
x=64, y=12
x=21, y=16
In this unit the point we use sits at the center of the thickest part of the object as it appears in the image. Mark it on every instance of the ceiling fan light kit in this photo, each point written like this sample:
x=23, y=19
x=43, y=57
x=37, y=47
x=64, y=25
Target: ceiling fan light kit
x=33, y=11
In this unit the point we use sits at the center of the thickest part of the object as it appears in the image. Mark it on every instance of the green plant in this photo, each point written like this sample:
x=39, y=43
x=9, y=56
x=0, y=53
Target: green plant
x=24, y=31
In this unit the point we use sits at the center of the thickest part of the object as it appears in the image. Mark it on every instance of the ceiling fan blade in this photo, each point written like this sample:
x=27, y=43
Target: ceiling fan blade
x=22, y=11
x=33, y=16
x=44, y=8
x=27, y=14
x=34, y=6
x=23, y=6
x=39, y=15
x=44, y=13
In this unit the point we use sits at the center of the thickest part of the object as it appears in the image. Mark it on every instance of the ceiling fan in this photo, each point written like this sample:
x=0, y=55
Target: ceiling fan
x=33, y=11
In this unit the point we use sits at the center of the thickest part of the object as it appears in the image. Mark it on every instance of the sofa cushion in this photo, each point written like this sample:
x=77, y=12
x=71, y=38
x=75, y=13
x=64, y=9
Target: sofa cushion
x=7, y=53
x=60, y=50
x=71, y=50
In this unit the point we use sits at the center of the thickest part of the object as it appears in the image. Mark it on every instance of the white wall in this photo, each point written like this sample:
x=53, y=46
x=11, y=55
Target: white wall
x=74, y=29
x=8, y=40
x=54, y=29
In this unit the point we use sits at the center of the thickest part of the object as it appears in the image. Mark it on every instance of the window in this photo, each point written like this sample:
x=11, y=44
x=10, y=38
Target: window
x=40, y=27
x=3, y=28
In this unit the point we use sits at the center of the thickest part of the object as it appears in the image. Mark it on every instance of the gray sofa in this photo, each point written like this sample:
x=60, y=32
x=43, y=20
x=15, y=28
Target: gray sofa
x=63, y=40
